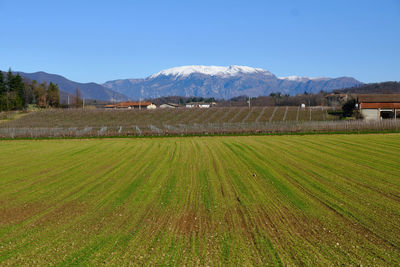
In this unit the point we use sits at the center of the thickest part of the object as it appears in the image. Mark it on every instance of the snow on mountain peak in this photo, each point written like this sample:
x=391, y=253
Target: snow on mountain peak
x=302, y=79
x=209, y=70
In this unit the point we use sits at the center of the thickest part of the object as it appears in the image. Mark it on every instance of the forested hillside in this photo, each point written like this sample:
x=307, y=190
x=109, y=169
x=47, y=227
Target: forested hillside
x=373, y=88
x=17, y=94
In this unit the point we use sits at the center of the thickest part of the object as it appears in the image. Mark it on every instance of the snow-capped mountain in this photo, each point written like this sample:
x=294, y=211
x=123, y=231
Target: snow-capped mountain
x=302, y=79
x=223, y=82
x=185, y=71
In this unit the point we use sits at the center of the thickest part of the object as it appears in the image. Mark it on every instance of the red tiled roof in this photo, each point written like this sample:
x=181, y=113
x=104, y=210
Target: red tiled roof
x=380, y=105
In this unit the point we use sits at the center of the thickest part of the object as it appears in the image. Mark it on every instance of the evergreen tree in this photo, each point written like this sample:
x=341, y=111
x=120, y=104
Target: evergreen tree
x=15, y=94
x=28, y=97
x=17, y=88
x=2, y=92
x=348, y=108
x=8, y=100
x=2, y=84
x=53, y=95
x=9, y=80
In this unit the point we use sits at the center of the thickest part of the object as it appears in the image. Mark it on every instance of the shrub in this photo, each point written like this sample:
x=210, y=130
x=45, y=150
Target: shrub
x=348, y=108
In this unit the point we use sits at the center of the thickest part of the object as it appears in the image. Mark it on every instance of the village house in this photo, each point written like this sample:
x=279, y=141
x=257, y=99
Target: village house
x=337, y=99
x=379, y=106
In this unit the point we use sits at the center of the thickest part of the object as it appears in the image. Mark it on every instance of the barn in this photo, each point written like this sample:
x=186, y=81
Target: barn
x=379, y=106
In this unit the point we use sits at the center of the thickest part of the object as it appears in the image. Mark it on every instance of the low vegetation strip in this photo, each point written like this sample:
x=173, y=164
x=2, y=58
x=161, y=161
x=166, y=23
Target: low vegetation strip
x=182, y=121
x=261, y=200
x=234, y=128
x=99, y=117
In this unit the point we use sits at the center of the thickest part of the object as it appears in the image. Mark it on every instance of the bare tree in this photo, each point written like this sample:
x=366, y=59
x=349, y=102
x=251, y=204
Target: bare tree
x=78, y=99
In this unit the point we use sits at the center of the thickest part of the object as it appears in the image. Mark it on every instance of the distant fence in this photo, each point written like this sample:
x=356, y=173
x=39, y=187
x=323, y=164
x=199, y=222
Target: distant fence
x=208, y=128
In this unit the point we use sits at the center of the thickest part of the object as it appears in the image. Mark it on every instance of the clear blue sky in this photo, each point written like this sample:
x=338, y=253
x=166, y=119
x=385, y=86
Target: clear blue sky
x=105, y=40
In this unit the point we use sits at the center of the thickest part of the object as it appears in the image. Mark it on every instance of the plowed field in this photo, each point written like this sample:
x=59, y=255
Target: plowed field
x=261, y=200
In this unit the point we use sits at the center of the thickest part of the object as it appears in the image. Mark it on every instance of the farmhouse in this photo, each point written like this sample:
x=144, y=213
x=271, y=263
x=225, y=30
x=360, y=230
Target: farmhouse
x=379, y=106
x=131, y=105
x=337, y=97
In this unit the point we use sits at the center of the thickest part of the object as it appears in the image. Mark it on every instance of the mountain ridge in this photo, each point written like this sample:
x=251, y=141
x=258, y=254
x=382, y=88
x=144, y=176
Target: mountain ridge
x=197, y=81
x=88, y=90
x=223, y=82
x=208, y=70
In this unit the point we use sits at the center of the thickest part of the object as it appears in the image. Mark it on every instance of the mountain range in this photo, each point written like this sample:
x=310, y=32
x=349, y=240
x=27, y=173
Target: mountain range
x=223, y=82
x=204, y=81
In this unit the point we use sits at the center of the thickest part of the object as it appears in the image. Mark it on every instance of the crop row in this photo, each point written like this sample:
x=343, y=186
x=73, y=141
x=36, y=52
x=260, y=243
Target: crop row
x=203, y=129
x=100, y=117
x=323, y=200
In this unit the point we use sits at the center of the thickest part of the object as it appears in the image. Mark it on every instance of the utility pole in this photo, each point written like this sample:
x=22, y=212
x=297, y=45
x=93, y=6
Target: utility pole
x=248, y=101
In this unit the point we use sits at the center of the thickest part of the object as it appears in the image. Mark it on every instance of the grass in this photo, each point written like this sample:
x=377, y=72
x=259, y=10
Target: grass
x=11, y=115
x=240, y=200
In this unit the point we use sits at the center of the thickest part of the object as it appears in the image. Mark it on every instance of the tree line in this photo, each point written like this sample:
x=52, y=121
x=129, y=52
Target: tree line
x=373, y=88
x=274, y=99
x=278, y=99
x=17, y=94
x=181, y=100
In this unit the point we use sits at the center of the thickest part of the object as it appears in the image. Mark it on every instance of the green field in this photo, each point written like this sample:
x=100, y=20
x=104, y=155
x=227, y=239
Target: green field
x=260, y=200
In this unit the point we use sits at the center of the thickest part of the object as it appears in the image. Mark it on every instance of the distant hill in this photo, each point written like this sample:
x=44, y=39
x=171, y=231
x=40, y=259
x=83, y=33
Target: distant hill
x=373, y=88
x=223, y=83
x=88, y=90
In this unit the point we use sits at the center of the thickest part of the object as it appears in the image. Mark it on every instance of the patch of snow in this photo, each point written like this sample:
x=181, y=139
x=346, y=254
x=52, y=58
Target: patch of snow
x=302, y=79
x=210, y=70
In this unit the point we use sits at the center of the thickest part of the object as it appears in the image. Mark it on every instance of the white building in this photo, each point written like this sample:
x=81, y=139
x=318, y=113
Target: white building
x=151, y=106
x=169, y=105
x=200, y=105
